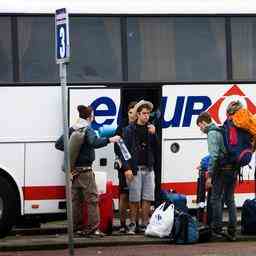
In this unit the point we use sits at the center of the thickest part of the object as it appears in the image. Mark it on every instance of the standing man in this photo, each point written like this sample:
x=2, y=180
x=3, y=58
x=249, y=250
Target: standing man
x=123, y=187
x=222, y=179
x=83, y=184
x=142, y=143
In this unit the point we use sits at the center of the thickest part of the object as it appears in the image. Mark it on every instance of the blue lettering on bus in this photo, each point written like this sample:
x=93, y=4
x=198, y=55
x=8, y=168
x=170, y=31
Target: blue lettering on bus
x=109, y=111
x=176, y=121
x=190, y=111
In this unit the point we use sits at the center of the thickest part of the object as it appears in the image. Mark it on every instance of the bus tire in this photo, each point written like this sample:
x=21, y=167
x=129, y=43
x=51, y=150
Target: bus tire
x=8, y=207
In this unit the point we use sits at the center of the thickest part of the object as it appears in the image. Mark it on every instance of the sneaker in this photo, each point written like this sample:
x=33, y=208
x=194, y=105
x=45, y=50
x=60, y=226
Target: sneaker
x=131, y=229
x=97, y=233
x=142, y=228
x=123, y=229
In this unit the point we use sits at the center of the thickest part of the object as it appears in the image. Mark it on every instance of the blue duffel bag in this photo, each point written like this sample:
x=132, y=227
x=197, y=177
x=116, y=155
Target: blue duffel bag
x=179, y=200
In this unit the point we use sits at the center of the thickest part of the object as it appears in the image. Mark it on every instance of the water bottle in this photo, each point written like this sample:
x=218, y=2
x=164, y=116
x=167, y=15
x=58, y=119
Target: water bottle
x=125, y=152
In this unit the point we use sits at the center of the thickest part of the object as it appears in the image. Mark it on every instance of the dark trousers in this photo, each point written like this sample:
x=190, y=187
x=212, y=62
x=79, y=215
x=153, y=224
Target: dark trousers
x=223, y=187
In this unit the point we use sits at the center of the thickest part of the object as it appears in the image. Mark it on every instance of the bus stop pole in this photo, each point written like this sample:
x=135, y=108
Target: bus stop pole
x=63, y=80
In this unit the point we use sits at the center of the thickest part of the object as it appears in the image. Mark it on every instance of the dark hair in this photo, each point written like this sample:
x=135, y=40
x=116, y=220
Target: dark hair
x=139, y=109
x=204, y=116
x=131, y=104
x=84, y=112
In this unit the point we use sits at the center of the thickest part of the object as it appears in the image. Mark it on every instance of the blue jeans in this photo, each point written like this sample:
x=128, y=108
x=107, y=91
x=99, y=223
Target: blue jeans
x=223, y=187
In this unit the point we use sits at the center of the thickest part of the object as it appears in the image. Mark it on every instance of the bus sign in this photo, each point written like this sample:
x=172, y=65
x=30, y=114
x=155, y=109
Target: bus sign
x=62, y=36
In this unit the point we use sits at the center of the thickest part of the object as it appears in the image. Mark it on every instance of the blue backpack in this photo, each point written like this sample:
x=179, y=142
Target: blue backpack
x=237, y=143
x=185, y=229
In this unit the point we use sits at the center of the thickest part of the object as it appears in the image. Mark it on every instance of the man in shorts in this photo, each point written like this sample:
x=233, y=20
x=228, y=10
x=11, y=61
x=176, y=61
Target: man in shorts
x=142, y=143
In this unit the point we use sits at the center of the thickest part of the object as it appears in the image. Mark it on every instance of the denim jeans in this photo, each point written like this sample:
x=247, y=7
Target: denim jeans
x=223, y=186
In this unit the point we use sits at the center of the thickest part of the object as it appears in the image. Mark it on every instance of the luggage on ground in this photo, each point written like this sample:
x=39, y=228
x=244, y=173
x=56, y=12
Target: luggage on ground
x=185, y=229
x=205, y=233
x=248, y=219
x=161, y=221
x=179, y=200
x=106, y=210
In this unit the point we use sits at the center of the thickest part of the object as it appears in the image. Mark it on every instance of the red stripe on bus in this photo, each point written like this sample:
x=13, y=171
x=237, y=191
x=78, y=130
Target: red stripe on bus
x=44, y=192
x=187, y=188
x=190, y=188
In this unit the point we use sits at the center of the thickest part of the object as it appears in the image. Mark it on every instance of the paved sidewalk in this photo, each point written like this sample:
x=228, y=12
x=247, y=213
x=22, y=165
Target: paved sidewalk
x=53, y=236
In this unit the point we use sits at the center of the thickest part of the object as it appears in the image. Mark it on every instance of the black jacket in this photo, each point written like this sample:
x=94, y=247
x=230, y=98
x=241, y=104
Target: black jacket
x=133, y=146
x=87, y=152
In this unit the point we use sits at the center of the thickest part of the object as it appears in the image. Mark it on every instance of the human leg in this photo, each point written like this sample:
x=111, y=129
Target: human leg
x=216, y=200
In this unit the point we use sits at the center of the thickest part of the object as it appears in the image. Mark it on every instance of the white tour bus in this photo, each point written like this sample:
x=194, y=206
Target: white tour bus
x=184, y=56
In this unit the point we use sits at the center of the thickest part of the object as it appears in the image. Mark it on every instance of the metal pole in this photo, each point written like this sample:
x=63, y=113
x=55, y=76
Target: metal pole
x=63, y=80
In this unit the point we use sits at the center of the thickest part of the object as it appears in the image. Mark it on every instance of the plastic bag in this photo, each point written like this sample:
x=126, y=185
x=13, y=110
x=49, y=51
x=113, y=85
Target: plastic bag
x=161, y=222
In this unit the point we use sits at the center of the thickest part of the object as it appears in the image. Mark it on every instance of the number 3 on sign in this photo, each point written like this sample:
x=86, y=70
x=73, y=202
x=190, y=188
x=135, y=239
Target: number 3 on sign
x=62, y=42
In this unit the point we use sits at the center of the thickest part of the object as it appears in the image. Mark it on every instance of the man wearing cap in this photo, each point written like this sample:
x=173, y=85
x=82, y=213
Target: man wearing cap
x=139, y=172
x=83, y=184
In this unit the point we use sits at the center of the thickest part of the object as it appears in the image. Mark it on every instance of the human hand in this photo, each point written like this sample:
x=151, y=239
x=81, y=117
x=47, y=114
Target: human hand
x=151, y=129
x=129, y=176
x=114, y=139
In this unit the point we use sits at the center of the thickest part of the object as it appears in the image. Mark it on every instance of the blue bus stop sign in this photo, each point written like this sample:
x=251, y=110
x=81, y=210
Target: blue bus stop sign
x=62, y=36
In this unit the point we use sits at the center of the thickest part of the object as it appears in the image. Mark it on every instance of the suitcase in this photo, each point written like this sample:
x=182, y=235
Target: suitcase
x=106, y=210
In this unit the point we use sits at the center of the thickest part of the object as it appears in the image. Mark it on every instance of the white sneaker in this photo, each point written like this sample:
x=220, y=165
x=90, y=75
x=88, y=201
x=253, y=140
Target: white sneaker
x=131, y=229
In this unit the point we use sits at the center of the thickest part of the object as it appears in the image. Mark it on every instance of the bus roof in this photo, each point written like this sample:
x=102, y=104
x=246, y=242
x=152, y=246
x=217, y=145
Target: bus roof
x=130, y=6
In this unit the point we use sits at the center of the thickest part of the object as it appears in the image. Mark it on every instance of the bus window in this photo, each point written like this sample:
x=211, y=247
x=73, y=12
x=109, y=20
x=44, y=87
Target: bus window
x=95, y=49
x=5, y=50
x=176, y=49
x=243, y=48
x=37, y=49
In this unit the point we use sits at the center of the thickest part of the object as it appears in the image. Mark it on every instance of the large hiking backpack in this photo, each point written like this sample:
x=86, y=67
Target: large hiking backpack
x=244, y=119
x=237, y=143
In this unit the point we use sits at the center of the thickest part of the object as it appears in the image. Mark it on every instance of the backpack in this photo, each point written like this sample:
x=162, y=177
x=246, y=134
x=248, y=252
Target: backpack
x=244, y=119
x=185, y=229
x=237, y=143
x=75, y=142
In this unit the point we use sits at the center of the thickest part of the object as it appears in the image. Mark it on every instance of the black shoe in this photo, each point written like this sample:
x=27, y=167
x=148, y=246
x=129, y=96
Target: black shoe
x=81, y=233
x=218, y=234
x=231, y=235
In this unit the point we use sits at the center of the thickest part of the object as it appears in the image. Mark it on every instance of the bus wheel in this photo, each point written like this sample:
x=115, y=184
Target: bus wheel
x=8, y=207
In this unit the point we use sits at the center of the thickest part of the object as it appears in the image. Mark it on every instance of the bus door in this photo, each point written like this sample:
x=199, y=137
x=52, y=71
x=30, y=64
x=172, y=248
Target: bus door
x=152, y=94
